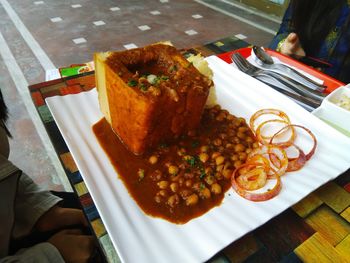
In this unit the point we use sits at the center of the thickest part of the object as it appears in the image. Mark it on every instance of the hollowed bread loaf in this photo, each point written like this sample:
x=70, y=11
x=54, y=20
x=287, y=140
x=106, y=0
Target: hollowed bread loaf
x=149, y=95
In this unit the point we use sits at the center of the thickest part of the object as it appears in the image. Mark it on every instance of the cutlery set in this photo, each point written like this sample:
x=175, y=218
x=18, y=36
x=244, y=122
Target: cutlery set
x=290, y=82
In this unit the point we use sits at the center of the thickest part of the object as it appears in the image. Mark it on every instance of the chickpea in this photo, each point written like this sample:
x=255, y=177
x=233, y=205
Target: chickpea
x=236, y=140
x=221, y=149
x=241, y=121
x=236, y=122
x=216, y=108
x=163, y=193
x=234, y=157
x=230, y=117
x=185, y=193
x=219, y=160
x=219, y=168
x=217, y=142
x=248, y=150
x=204, y=193
x=242, y=156
x=188, y=175
x=249, y=139
x=187, y=157
x=239, y=147
x=188, y=183
x=216, y=189
x=203, y=157
x=220, y=117
x=174, y=187
x=167, y=164
x=181, y=181
x=181, y=152
x=204, y=148
x=255, y=145
x=173, y=170
x=223, y=136
x=196, y=186
x=227, y=173
x=163, y=184
x=192, y=200
x=157, y=199
x=210, y=179
x=229, y=146
x=237, y=163
x=208, y=170
x=153, y=159
x=243, y=129
x=156, y=175
x=218, y=176
x=173, y=200
x=241, y=135
x=215, y=154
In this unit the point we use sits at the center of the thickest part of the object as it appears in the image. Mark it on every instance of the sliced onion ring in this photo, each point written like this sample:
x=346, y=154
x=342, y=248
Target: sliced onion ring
x=276, y=112
x=262, y=139
x=252, y=178
x=312, y=151
x=277, y=152
x=295, y=164
x=254, y=196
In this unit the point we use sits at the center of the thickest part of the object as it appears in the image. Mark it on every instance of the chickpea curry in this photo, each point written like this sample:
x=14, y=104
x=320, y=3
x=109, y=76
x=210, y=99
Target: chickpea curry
x=186, y=177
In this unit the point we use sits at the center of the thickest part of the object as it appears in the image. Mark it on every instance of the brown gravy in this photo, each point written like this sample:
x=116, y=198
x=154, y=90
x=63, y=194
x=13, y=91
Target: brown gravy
x=185, y=178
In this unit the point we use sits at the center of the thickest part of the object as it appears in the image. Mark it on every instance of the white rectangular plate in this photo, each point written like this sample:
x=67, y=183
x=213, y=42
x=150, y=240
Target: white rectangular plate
x=138, y=237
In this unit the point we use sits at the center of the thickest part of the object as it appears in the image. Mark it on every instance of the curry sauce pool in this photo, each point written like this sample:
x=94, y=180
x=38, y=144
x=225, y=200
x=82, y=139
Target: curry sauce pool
x=186, y=177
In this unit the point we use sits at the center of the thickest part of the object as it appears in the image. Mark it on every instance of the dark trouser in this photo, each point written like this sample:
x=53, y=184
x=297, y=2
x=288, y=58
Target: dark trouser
x=69, y=200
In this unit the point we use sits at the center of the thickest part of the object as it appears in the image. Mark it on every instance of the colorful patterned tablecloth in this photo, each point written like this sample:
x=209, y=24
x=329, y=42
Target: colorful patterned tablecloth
x=317, y=229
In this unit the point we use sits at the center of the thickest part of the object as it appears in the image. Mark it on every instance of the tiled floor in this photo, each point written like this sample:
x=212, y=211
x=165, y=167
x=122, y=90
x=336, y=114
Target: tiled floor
x=36, y=36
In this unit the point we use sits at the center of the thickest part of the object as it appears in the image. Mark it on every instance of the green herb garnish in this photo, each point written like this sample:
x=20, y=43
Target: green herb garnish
x=195, y=144
x=203, y=174
x=163, y=145
x=132, y=83
x=143, y=87
x=173, y=68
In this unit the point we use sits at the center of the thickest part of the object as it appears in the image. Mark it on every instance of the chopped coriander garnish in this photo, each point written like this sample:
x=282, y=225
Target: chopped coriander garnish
x=163, y=145
x=191, y=161
x=195, y=144
x=202, y=186
x=132, y=83
x=173, y=68
x=143, y=87
x=164, y=77
x=203, y=174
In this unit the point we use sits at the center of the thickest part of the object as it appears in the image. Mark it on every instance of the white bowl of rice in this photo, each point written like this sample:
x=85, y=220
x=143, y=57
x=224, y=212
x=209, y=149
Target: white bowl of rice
x=335, y=109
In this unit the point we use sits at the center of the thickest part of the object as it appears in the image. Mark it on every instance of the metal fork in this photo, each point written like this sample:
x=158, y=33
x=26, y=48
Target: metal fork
x=248, y=68
x=308, y=103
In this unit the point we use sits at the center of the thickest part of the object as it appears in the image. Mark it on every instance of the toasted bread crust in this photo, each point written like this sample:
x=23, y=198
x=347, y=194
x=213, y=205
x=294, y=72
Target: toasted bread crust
x=144, y=113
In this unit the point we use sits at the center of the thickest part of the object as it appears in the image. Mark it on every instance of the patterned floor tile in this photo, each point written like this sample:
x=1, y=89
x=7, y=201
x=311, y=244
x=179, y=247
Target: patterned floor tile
x=307, y=205
x=329, y=224
x=334, y=196
x=318, y=249
x=343, y=248
x=283, y=233
x=240, y=250
x=346, y=214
